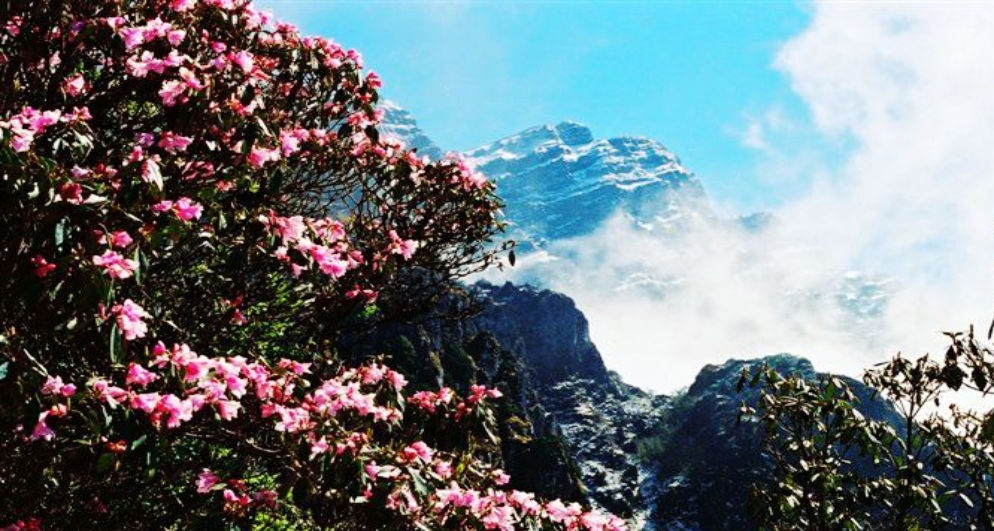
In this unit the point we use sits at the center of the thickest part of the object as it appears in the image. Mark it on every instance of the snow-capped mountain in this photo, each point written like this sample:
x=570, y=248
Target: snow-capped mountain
x=400, y=124
x=560, y=182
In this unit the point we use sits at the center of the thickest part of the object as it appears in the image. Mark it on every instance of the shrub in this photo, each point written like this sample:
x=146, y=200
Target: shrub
x=194, y=199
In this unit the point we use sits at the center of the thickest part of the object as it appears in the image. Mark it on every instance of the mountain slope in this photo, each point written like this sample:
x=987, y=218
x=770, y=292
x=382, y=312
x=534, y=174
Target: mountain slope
x=570, y=428
x=560, y=182
x=398, y=123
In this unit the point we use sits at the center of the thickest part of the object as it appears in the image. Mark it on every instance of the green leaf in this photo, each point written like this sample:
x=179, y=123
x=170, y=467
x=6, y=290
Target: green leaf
x=61, y=229
x=138, y=442
x=115, y=345
x=138, y=260
x=4, y=369
x=105, y=462
x=420, y=486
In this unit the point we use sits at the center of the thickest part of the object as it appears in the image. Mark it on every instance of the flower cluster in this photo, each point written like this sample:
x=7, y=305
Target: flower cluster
x=197, y=172
x=332, y=420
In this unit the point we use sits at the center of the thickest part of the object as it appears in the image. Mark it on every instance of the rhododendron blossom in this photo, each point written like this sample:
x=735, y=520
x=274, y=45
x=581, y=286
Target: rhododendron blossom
x=41, y=266
x=115, y=265
x=129, y=317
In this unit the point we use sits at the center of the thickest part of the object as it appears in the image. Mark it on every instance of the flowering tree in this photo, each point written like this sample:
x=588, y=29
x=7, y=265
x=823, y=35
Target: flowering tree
x=194, y=198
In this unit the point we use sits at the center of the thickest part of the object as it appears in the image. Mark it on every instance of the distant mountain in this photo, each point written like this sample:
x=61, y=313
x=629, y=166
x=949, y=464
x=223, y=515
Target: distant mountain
x=400, y=124
x=560, y=182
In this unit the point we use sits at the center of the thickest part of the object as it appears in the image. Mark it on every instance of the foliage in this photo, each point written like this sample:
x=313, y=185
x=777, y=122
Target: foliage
x=843, y=464
x=195, y=201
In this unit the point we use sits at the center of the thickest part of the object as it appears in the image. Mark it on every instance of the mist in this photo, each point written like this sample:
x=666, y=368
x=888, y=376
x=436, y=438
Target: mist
x=887, y=246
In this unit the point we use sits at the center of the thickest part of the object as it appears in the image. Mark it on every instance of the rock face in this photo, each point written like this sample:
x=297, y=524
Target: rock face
x=558, y=181
x=548, y=174
x=599, y=417
x=568, y=426
x=704, y=459
x=400, y=124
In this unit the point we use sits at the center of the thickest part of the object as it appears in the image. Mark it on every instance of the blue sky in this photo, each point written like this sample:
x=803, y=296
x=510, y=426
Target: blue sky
x=692, y=75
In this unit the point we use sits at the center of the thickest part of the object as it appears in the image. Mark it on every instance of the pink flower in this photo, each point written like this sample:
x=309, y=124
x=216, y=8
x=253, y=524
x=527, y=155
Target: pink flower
x=206, y=480
x=499, y=517
x=396, y=380
x=295, y=367
x=182, y=5
x=319, y=447
x=228, y=409
x=293, y=419
x=330, y=262
x=133, y=37
x=74, y=86
x=265, y=498
x=54, y=386
x=172, y=91
x=418, y=450
x=559, y=512
x=146, y=402
x=172, y=142
x=80, y=114
x=42, y=267
x=120, y=239
x=179, y=411
x=129, y=319
x=244, y=59
x=289, y=142
x=234, y=499
x=405, y=248
x=22, y=141
x=141, y=66
x=288, y=229
x=175, y=36
x=156, y=28
x=259, y=157
x=110, y=394
x=594, y=521
x=443, y=469
x=138, y=375
x=238, y=318
x=41, y=429
x=187, y=209
x=195, y=368
x=191, y=80
x=499, y=477
x=151, y=172
x=115, y=265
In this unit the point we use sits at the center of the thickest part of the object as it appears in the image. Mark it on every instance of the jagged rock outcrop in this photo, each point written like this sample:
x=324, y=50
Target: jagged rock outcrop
x=398, y=123
x=705, y=459
x=548, y=174
x=599, y=417
x=568, y=426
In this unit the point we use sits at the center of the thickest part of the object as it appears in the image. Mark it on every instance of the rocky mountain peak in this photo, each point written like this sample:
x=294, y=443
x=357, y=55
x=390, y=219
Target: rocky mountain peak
x=400, y=124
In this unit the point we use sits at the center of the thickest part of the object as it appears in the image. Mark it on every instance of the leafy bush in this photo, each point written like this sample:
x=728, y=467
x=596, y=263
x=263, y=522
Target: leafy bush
x=195, y=200
x=842, y=463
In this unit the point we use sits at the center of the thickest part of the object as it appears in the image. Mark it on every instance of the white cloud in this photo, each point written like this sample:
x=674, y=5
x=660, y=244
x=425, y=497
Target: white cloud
x=912, y=87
